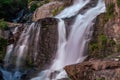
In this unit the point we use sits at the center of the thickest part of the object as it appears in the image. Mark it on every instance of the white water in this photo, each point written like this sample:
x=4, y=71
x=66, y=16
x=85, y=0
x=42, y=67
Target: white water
x=22, y=45
x=73, y=10
x=72, y=51
x=8, y=53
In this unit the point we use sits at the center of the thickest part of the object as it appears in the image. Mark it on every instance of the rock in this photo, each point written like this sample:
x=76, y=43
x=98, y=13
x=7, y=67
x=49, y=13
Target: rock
x=94, y=70
x=13, y=24
x=47, y=43
x=112, y=29
x=66, y=2
x=46, y=10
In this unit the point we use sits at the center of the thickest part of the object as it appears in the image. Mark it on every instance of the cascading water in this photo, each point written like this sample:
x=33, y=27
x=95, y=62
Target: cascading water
x=71, y=50
x=20, y=49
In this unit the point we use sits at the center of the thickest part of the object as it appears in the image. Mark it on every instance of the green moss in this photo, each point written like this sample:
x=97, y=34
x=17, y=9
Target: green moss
x=101, y=47
x=110, y=12
x=3, y=24
x=56, y=11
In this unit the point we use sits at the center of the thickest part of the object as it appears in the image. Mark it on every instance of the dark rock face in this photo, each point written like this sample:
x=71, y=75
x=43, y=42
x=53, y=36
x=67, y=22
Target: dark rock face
x=46, y=46
x=48, y=41
x=94, y=70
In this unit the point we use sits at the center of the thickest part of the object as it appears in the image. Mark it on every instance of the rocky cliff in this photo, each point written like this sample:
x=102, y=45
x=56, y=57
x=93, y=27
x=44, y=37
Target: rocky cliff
x=104, y=48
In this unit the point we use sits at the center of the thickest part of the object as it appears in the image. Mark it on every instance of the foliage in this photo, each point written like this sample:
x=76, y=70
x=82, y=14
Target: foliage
x=99, y=47
x=33, y=7
x=37, y=4
x=118, y=48
x=110, y=12
x=3, y=24
x=9, y=8
x=118, y=3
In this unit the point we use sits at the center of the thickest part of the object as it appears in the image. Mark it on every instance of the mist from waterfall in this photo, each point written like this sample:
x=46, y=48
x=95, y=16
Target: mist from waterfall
x=72, y=50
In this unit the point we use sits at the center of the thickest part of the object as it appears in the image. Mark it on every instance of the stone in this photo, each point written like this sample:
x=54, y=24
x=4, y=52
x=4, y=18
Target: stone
x=94, y=70
x=46, y=10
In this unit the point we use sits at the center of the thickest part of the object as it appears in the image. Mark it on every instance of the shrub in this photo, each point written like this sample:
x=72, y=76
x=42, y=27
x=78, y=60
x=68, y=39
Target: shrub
x=3, y=24
x=38, y=4
x=33, y=7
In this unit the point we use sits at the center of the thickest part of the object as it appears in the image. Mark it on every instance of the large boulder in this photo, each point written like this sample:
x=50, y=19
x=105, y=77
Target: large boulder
x=48, y=10
x=94, y=70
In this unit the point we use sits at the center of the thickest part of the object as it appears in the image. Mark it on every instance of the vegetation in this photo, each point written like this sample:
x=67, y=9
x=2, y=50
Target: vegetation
x=3, y=24
x=9, y=8
x=118, y=3
x=101, y=46
x=58, y=10
x=110, y=12
x=37, y=4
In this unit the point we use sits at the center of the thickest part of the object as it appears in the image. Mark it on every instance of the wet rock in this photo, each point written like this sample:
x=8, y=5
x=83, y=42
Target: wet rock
x=93, y=70
x=47, y=43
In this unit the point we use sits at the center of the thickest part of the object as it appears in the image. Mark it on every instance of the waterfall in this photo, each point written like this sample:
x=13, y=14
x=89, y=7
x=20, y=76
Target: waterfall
x=72, y=50
x=22, y=44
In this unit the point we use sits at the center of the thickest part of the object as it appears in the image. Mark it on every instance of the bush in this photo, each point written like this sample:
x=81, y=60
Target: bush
x=33, y=7
x=3, y=24
x=9, y=8
x=37, y=4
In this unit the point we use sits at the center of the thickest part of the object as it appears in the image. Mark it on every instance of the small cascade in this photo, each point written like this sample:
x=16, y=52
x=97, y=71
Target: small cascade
x=8, y=54
x=72, y=50
x=29, y=37
x=22, y=45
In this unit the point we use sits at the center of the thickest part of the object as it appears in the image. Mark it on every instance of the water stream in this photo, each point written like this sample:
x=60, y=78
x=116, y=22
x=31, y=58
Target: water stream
x=70, y=50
